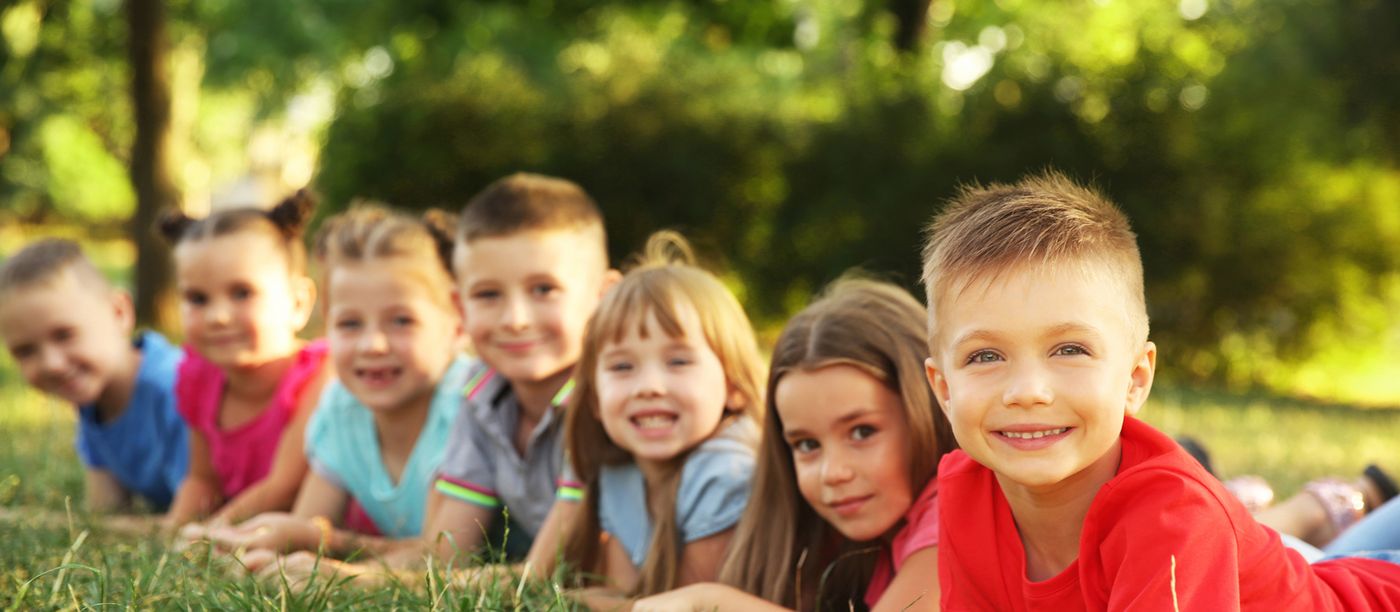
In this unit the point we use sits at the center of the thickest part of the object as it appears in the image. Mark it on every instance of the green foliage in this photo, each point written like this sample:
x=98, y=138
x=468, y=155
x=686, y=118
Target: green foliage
x=1268, y=226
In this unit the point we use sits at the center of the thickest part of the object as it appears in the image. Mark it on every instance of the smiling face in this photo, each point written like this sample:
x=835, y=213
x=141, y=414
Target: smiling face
x=1036, y=369
x=68, y=339
x=526, y=298
x=391, y=335
x=240, y=305
x=850, y=447
x=659, y=396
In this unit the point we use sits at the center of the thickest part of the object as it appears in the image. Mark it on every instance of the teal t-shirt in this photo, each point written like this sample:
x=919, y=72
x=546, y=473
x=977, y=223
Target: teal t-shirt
x=342, y=447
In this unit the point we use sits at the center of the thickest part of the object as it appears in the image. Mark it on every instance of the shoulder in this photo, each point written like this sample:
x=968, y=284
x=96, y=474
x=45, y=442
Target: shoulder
x=158, y=356
x=447, y=398
x=715, y=485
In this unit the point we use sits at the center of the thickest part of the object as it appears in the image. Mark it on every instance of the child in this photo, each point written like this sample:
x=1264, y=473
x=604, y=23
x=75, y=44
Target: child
x=531, y=264
x=381, y=429
x=669, y=393
x=1059, y=498
x=249, y=384
x=850, y=446
x=70, y=334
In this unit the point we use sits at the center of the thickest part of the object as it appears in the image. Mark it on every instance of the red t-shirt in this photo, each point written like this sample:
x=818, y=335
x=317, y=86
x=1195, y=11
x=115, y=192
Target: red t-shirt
x=1163, y=534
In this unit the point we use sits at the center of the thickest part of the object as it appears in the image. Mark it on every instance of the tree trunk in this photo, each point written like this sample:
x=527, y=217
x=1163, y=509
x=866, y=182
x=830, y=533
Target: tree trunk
x=912, y=21
x=150, y=168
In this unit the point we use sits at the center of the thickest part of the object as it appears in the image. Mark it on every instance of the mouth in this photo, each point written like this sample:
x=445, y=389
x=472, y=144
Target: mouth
x=1033, y=437
x=378, y=377
x=517, y=346
x=849, y=506
x=654, y=422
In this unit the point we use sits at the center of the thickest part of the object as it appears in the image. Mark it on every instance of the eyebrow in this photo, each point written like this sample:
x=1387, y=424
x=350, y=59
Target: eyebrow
x=1061, y=329
x=854, y=415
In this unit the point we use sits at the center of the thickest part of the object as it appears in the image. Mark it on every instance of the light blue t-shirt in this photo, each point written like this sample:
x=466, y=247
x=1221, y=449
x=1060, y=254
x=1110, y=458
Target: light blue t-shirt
x=146, y=447
x=343, y=447
x=714, y=490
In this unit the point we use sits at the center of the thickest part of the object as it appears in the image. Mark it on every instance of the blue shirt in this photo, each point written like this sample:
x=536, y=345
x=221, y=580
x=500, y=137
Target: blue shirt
x=146, y=447
x=342, y=446
x=714, y=490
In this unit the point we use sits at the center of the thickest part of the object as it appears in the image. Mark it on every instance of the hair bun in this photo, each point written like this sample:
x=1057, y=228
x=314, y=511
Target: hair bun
x=441, y=225
x=172, y=224
x=664, y=248
x=291, y=214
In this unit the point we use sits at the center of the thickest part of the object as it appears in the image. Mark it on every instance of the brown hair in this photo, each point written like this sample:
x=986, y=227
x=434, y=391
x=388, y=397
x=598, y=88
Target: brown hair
x=783, y=549
x=522, y=202
x=370, y=231
x=664, y=282
x=284, y=222
x=44, y=260
x=1042, y=219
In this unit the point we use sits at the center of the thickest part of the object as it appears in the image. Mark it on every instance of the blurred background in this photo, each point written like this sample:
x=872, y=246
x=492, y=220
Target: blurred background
x=1254, y=143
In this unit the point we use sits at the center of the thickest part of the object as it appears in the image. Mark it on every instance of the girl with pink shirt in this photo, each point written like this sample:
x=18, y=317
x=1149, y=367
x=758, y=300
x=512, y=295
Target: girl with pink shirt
x=844, y=501
x=247, y=384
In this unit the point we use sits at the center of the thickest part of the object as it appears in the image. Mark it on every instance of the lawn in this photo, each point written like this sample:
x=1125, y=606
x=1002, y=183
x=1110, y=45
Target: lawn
x=52, y=564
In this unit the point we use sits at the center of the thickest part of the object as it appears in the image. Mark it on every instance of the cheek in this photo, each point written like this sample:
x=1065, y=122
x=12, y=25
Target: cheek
x=809, y=483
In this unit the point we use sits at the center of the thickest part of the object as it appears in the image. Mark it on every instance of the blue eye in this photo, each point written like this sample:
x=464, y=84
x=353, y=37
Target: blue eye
x=983, y=357
x=619, y=366
x=543, y=289
x=403, y=321
x=678, y=362
x=1071, y=350
x=347, y=324
x=486, y=294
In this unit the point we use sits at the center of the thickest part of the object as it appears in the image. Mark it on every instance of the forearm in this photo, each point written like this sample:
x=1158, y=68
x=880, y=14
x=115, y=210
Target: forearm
x=196, y=498
x=265, y=496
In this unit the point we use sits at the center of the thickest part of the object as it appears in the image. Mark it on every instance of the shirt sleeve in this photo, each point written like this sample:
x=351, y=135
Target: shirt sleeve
x=189, y=378
x=714, y=490
x=467, y=472
x=921, y=531
x=1165, y=542
x=568, y=487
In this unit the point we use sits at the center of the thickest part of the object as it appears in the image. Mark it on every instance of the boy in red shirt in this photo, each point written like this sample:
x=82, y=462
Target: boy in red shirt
x=1059, y=498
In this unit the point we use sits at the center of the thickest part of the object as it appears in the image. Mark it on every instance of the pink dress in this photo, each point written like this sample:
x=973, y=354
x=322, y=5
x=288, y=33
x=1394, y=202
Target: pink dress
x=920, y=531
x=242, y=456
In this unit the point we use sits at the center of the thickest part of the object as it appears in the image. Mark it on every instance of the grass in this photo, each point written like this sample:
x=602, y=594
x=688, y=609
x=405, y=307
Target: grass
x=78, y=565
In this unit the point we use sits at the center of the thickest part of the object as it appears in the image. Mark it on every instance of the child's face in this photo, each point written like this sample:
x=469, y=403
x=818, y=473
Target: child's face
x=391, y=338
x=526, y=298
x=239, y=304
x=69, y=340
x=850, y=447
x=659, y=396
x=1036, y=370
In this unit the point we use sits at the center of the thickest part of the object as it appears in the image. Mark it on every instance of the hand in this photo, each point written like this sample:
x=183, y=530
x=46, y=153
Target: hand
x=277, y=531
x=298, y=569
x=685, y=599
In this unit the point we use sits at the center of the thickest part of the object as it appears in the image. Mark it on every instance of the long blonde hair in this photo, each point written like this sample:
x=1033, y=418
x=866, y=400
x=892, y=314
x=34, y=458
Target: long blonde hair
x=782, y=549
x=664, y=281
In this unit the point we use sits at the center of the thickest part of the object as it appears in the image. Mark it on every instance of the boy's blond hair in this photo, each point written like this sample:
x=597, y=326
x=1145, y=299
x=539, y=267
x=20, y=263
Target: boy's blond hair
x=44, y=261
x=1042, y=219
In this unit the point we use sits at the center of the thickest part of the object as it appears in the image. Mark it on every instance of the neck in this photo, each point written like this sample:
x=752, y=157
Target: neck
x=1050, y=519
x=536, y=397
x=398, y=427
x=258, y=382
x=117, y=394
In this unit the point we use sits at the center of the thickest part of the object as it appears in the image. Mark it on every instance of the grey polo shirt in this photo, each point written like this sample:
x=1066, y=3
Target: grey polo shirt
x=481, y=466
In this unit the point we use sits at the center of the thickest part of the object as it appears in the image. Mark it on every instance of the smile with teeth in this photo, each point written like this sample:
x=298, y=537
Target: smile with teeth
x=378, y=375
x=1031, y=435
x=654, y=420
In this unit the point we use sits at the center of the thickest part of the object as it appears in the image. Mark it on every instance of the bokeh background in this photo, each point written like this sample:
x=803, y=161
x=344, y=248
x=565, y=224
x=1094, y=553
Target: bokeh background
x=1254, y=143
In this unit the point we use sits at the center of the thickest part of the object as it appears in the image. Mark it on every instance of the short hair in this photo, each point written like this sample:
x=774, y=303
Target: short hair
x=44, y=261
x=284, y=223
x=522, y=202
x=1045, y=218
x=370, y=232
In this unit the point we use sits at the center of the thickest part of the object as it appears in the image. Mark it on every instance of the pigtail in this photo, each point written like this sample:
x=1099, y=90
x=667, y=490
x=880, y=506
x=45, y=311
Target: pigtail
x=172, y=224
x=442, y=227
x=291, y=214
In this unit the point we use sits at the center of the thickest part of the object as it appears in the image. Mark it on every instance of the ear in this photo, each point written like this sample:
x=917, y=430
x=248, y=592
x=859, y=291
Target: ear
x=734, y=400
x=124, y=310
x=938, y=382
x=610, y=278
x=303, y=300
x=1140, y=379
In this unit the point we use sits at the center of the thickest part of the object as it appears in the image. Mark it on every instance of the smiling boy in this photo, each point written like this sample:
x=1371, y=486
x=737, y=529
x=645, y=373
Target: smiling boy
x=1059, y=498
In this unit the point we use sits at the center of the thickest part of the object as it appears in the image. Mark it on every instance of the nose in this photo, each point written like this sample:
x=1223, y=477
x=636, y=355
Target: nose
x=374, y=341
x=836, y=466
x=51, y=359
x=517, y=313
x=1029, y=386
x=650, y=381
x=218, y=310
